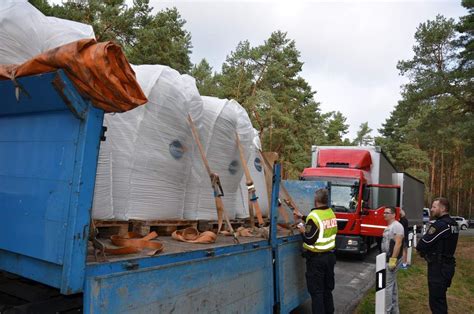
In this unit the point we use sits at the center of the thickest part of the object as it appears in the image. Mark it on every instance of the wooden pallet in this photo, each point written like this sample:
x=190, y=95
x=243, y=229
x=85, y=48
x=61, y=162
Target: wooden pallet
x=108, y=228
x=212, y=225
x=163, y=227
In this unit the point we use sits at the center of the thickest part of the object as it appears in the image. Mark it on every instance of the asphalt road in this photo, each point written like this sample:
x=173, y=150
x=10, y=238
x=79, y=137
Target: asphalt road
x=468, y=232
x=354, y=278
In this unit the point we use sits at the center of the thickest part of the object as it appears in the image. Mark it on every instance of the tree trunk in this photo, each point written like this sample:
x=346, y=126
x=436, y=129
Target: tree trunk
x=237, y=92
x=271, y=127
x=458, y=180
x=449, y=175
x=441, y=175
x=470, y=199
x=433, y=166
x=457, y=202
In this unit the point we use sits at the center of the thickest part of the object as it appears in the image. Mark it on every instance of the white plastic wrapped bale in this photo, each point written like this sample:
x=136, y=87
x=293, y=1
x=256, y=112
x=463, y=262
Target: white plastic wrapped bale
x=122, y=131
x=256, y=168
x=26, y=32
x=112, y=183
x=160, y=155
x=222, y=118
x=102, y=205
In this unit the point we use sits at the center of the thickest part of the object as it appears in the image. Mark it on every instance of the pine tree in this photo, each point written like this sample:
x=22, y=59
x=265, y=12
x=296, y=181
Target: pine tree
x=364, y=137
x=266, y=80
x=430, y=132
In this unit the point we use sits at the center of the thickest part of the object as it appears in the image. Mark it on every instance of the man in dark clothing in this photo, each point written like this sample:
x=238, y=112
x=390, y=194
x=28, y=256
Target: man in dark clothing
x=319, y=241
x=438, y=246
x=404, y=222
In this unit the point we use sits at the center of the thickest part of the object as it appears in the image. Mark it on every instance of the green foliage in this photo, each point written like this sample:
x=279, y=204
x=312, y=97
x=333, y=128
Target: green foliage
x=465, y=27
x=336, y=128
x=205, y=80
x=364, y=137
x=163, y=41
x=266, y=80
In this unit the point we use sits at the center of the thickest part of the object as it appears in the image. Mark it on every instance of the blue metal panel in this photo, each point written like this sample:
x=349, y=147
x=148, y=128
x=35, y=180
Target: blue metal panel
x=289, y=266
x=38, y=270
x=273, y=235
x=49, y=142
x=233, y=283
x=274, y=204
x=302, y=192
x=36, y=94
x=291, y=270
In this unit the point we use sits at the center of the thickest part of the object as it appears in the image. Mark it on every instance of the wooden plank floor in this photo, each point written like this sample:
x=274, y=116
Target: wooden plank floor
x=171, y=246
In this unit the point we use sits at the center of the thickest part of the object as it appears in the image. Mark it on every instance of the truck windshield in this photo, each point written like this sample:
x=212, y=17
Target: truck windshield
x=344, y=193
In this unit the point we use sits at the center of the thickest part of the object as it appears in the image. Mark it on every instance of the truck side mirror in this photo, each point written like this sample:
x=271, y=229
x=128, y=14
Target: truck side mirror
x=365, y=194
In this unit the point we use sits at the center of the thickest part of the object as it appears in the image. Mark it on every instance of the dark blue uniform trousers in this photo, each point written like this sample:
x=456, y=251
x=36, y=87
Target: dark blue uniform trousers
x=439, y=279
x=320, y=281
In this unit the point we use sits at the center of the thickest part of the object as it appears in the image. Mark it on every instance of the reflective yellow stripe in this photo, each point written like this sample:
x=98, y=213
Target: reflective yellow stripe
x=325, y=247
x=320, y=226
x=320, y=248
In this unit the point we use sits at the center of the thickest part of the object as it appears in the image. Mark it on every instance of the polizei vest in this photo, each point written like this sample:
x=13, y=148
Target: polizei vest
x=326, y=222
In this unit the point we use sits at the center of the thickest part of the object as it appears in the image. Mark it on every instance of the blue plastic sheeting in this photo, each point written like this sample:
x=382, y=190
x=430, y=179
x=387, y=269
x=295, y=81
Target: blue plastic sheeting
x=302, y=192
x=49, y=143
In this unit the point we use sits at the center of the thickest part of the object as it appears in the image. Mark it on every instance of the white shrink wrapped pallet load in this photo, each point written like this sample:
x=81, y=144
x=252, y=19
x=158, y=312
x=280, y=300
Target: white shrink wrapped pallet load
x=102, y=205
x=26, y=32
x=118, y=148
x=163, y=151
x=222, y=118
x=256, y=168
x=151, y=148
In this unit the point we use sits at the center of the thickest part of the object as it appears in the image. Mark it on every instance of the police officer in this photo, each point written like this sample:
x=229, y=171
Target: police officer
x=319, y=241
x=437, y=247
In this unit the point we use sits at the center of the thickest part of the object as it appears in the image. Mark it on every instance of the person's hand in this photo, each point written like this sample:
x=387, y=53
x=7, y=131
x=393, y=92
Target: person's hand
x=392, y=263
x=301, y=227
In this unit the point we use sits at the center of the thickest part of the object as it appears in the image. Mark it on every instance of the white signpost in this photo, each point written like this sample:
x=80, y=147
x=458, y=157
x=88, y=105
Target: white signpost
x=380, y=281
x=410, y=248
x=414, y=235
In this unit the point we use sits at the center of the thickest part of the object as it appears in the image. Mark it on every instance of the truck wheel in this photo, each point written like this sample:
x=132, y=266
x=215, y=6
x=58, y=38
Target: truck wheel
x=361, y=256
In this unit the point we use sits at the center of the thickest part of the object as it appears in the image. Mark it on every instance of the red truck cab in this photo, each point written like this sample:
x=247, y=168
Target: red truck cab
x=352, y=196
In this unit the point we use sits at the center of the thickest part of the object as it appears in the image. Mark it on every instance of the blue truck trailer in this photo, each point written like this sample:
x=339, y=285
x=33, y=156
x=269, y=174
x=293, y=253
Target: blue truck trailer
x=49, y=144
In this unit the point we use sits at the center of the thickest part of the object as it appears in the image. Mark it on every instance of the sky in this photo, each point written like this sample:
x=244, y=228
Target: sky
x=350, y=49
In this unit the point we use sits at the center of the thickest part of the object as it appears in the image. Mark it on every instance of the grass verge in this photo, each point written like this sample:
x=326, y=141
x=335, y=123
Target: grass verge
x=413, y=284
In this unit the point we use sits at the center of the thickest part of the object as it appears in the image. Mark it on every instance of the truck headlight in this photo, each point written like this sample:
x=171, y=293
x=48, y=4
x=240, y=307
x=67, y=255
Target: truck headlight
x=352, y=242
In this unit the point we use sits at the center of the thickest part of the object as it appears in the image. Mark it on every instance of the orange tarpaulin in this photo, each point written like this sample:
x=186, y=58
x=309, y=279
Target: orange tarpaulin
x=100, y=71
